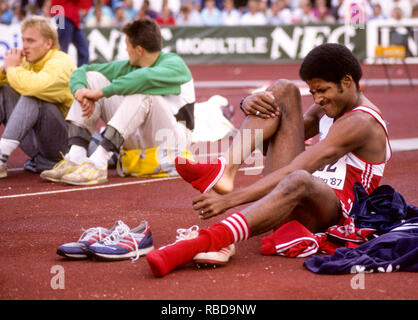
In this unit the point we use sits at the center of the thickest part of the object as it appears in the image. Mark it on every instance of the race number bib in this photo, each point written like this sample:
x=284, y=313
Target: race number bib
x=333, y=174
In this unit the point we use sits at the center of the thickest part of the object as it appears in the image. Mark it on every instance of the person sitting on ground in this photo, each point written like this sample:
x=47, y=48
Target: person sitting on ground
x=35, y=97
x=146, y=101
x=313, y=186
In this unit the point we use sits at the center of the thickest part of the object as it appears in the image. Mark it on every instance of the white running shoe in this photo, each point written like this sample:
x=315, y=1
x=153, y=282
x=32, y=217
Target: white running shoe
x=124, y=244
x=85, y=174
x=77, y=250
x=214, y=258
x=3, y=169
x=205, y=259
x=59, y=170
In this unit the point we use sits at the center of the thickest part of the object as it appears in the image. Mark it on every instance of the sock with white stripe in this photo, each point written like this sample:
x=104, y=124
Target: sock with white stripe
x=230, y=230
x=220, y=235
x=7, y=146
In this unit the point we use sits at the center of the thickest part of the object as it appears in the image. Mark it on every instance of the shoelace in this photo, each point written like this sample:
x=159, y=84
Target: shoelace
x=91, y=231
x=184, y=234
x=122, y=231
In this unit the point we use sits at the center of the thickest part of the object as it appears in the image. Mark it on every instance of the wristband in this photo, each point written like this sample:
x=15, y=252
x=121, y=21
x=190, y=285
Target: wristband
x=240, y=105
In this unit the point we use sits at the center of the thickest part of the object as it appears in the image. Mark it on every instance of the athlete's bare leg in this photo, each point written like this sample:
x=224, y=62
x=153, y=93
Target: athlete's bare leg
x=299, y=196
x=283, y=135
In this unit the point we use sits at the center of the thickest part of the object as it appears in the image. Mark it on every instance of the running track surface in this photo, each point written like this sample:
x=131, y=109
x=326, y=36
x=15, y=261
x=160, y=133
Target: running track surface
x=35, y=219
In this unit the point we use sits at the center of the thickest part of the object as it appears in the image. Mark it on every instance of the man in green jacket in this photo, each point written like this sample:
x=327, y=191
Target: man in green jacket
x=146, y=101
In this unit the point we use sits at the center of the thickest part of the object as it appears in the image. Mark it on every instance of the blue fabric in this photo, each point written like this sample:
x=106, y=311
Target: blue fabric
x=395, y=246
x=382, y=210
x=71, y=34
x=393, y=251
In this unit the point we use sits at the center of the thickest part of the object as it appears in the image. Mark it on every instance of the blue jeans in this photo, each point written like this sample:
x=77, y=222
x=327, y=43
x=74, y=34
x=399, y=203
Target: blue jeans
x=38, y=125
x=71, y=34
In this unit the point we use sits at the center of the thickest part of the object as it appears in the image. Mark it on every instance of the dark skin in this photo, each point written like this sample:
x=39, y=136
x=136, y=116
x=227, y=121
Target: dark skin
x=288, y=190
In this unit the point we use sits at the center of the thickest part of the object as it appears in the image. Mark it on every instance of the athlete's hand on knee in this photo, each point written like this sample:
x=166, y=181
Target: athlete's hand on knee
x=209, y=205
x=90, y=94
x=261, y=104
x=87, y=107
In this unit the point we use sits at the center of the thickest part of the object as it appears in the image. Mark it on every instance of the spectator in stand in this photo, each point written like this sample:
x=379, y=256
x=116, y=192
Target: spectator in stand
x=254, y=16
x=322, y=13
x=230, y=15
x=241, y=6
x=335, y=6
x=378, y=12
x=189, y=15
x=100, y=17
x=146, y=11
x=396, y=14
x=6, y=14
x=120, y=18
x=130, y=11
x=303, y=14
x=293, y=4
x=388, y=5
x=71, y=32
x=19, y=13
x=210, y=14
x=414, y=14
x=166, y=18
x=279, y=13
x=157, y=5
x=355, y=11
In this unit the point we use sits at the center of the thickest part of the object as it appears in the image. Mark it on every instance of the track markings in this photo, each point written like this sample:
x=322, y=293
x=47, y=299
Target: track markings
x=396, y=144
x=104, y=186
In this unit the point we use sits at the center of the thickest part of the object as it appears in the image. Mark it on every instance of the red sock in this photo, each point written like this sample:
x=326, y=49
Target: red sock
x=202, y=176
x=216, y=237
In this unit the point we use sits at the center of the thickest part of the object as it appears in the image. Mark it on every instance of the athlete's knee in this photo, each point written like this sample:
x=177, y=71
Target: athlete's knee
x=287, y=97
x=296, y=184
x=284, y=88
x=28, y=101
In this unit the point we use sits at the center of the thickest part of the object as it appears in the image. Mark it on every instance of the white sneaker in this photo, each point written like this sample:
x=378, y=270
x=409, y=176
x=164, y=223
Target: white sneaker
x=215, y=258
x=59, y=170
x=85, y=174
x=3, y=169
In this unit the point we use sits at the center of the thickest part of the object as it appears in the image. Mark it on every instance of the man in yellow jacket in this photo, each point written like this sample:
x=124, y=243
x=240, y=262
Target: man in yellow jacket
x=35, y=97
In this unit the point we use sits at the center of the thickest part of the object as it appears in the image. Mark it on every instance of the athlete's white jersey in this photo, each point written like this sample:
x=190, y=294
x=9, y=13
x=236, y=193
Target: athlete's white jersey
x=342, y=174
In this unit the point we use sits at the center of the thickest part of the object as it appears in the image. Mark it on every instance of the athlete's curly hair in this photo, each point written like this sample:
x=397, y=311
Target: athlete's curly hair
x=330, y=62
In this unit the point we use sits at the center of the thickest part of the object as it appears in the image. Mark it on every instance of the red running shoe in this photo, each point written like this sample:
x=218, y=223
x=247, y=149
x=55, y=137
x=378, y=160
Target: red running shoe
x=202, y=176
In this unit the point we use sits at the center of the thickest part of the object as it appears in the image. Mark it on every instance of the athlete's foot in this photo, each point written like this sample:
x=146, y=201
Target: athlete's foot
x=225, y=183
x=205, y=176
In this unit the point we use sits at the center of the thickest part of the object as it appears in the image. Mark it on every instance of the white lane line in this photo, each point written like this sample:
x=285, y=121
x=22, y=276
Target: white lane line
x=262, y=83
x=396, y=144
x=404, y=144
x=258, y=170
x=105, y=186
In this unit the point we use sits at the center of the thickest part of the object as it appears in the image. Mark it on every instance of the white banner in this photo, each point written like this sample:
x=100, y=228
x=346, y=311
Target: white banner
x=10, y=37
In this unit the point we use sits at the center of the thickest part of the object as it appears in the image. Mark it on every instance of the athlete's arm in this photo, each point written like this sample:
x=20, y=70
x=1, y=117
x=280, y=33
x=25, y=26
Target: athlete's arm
x=311, y=121
x=346, y=135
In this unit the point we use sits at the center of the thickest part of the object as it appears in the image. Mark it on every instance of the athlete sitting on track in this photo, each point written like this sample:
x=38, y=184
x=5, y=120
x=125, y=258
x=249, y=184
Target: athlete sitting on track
x=313, y=186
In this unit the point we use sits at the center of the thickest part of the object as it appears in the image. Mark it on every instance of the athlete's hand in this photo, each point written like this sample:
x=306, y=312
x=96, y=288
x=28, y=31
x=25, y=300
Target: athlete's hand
x=87, y=104
x=211, y=204
x=261, y=104
x=87, y=107
x=84, y=93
